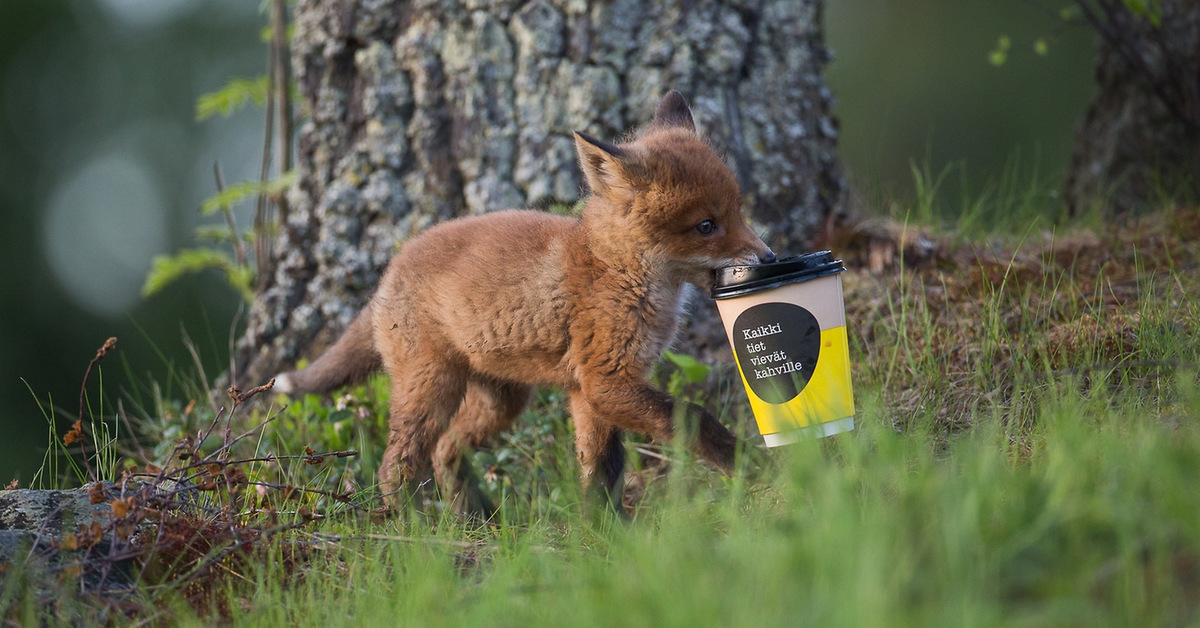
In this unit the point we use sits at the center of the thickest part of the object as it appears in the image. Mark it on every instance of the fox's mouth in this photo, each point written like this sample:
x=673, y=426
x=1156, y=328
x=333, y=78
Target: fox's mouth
x=749, y=259
x=703, y=272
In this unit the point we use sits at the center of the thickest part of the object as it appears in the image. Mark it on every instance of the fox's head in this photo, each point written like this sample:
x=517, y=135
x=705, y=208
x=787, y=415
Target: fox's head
x=668, y=198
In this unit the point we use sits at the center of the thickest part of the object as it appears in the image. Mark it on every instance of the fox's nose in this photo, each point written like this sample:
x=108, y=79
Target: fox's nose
x=766, y=258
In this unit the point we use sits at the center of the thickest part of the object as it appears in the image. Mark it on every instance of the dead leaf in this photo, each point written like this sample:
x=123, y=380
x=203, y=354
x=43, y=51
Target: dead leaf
x=90, y=535
x=75, y=435
x=98, y=493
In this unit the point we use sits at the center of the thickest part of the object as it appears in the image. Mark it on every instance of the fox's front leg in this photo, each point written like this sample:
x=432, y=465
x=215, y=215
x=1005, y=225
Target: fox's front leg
x=631, y=404
x=601, y=453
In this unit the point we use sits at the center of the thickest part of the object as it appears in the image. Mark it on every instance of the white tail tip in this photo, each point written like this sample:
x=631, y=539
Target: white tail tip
x=283, y=383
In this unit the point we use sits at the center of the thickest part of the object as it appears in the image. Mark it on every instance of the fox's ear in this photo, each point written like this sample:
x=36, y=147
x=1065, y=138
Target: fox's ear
x=673, y=110
x=607, y=167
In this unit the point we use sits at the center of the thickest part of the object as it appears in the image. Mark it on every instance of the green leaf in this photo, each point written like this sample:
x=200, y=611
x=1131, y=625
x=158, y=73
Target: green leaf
x=999, y=54
x=230, y=196
x=693, y=370
x=238, y=192
x=267, y=32
x=167, y=269
x=220, y=234
x=241, y=279
x=280, y=184
x=214, y=233
x=1154, y=13
x=236, y=94
x=1041, y=47
x=1149, y=10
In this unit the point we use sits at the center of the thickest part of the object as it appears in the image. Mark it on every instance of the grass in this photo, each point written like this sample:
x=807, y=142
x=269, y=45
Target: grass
x=104, y=435
x=1094, y=525
x=1028, y=435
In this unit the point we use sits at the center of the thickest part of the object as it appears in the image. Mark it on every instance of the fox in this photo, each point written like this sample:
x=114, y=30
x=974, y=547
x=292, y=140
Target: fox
x=473, y=313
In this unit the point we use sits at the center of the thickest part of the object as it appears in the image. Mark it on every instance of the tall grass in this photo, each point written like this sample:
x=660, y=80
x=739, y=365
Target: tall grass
x=1018, y=197
x=64, y=466
x=1096, y=525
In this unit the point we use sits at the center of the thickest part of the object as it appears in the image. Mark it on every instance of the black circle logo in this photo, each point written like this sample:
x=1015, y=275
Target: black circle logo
x=777, y=346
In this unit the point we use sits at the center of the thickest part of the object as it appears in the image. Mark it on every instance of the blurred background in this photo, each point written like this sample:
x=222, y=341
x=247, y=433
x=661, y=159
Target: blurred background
x=103, y=164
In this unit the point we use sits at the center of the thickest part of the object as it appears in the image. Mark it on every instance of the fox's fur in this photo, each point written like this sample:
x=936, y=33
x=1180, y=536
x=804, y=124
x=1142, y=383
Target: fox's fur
x=475, y=312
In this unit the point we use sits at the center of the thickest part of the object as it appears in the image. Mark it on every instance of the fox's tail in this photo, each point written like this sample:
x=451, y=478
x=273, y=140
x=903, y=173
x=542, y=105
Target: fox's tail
x=350, y=360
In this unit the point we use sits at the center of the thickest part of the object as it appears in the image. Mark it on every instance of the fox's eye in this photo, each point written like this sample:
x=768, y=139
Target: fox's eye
x=706, y=227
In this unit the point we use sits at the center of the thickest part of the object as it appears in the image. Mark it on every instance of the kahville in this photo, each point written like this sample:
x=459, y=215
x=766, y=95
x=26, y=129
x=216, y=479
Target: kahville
x=475, y=312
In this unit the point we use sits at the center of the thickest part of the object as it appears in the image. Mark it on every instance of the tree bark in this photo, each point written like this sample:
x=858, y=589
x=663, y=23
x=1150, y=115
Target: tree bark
x=424, y=111
x=1139, y=142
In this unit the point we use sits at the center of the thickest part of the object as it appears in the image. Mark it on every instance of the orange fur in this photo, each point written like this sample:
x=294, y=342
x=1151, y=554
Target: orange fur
x=473, y=313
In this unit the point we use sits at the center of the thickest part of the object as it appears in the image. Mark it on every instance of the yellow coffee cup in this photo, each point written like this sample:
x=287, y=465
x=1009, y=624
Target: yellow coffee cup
x=786, y=322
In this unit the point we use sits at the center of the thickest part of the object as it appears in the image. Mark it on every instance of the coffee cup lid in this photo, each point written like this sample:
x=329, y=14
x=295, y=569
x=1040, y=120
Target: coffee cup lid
x=735, y=281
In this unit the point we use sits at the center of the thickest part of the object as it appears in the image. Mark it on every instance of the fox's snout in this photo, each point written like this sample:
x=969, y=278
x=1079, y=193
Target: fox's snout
x=756, y=251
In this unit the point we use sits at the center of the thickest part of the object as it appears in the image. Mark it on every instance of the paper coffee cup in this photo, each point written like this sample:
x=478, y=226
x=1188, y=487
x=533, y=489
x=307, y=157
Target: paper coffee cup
x=787, y=324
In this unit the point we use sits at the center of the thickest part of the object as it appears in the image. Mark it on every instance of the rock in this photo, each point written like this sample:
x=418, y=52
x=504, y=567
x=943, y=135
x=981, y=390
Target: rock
x=35, y=523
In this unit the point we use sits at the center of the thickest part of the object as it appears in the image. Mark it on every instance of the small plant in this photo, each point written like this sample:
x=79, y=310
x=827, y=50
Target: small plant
x=688, y=370
x=180, y=529
x=243, y=257
x=237, y=268
x=63, y=447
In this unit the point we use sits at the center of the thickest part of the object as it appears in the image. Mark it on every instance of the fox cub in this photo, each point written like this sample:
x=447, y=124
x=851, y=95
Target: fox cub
x=475, y=312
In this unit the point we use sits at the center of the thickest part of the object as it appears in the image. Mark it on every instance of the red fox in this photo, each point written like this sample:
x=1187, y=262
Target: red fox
x=475, y=312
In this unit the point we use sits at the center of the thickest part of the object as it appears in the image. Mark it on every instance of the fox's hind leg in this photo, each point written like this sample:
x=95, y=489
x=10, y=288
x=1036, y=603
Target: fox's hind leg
x=427, y=390
x=489, y=407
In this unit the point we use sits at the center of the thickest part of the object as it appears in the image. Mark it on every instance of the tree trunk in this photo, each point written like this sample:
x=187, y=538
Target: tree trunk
x=423, y=111
x=1139, y=142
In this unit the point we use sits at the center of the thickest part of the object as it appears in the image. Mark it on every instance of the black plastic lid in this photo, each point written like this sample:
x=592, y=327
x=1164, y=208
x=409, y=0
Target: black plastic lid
x=735, y=281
